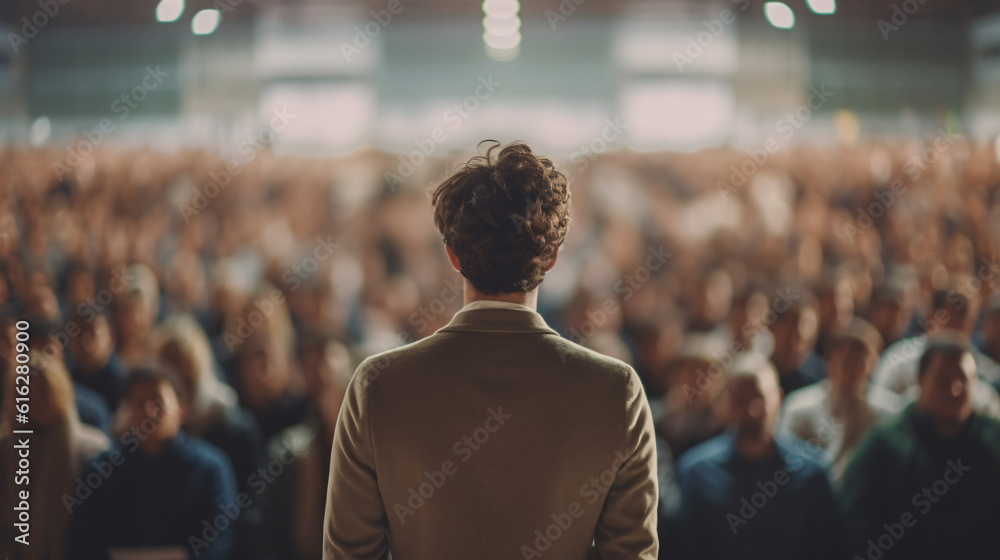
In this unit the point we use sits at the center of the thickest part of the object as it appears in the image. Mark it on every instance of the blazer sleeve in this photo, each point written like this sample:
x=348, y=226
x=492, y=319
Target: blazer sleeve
x=355, y=525
x=627, y=524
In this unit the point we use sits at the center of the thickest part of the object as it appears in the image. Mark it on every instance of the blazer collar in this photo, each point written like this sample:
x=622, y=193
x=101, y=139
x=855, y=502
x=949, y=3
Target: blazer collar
x=498, y=319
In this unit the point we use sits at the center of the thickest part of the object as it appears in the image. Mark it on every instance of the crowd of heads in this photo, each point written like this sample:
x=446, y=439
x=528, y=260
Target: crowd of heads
x=176, y=296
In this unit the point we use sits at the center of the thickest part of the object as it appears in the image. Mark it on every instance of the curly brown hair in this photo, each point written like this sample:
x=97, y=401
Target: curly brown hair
x=504, y=214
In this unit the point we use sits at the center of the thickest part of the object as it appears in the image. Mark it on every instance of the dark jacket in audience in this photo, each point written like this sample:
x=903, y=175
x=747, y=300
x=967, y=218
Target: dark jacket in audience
x=780, y=507
x=812, y=371
x=288, y=411
x=911, y=493
x=174, y=500
x=106, y=382
x=91, y=409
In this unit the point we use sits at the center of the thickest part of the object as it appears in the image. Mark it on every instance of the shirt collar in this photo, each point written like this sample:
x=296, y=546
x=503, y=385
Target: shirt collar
x=782, y=450
x=493, y=304
x=497, y=316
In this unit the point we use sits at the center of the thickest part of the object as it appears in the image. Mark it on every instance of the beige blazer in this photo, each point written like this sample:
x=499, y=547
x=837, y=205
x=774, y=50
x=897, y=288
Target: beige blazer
x=493, y=438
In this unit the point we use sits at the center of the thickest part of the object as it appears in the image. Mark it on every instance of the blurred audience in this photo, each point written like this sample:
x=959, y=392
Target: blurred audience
x=748, y=494
x=263, y=296
x=46, y=340
x=834, y=413
x=694, y=408
x=92, y=358
x=158, y=487
x=953, y=314
x=924, y=485
x=298, y=499
x=59, y=446
x=213, y=414
x=795, y=331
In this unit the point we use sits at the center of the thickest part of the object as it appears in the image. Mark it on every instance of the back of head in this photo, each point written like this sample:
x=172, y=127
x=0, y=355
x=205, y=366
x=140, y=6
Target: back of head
x=504, y=214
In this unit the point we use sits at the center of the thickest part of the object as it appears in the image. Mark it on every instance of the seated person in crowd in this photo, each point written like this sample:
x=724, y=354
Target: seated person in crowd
x=987, y=340
x=710, y=301
x=694, y=407
x=924, y=486
x=92, y=359
x=161, y=489
x=266, y=382
x=835, y=307
x=743, y=328
x=795, y=328
x=747, y=494
x=297, y=499
x=213, y=413
x=835, y=412
x=263, y=369
x=59, y=446
x=891, y=309
x=136, y=310
x=39, y=298
x=952, y=314
x=47, y=341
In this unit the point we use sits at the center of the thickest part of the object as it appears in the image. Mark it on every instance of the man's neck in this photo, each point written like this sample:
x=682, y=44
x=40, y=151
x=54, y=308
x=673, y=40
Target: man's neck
x=89, y=365
x=527, y=299
x=755, y=448
x=154, y=446
x=946, y=427
x=840, y=393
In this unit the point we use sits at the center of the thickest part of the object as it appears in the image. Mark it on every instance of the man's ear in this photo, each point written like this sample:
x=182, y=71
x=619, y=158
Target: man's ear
x=453, y=259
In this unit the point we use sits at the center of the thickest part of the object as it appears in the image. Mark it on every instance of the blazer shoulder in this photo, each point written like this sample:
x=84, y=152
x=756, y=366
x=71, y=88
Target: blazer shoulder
x=375, y=365
x=581, y=356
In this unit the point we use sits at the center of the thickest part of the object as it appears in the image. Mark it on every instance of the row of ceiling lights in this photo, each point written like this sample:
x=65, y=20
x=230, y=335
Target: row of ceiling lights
x=781, y=16
x=501, y=23
x=203, y=23
x=502, y=26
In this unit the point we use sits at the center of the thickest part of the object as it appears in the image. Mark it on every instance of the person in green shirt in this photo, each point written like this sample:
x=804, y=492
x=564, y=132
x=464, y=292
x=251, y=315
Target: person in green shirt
x=925, y=484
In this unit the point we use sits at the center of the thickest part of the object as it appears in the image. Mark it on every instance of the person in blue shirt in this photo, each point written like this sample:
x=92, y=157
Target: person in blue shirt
x=747, y=494
x=91, y=408
x=47, y=340
x=92, y=359
x=795, y=327
x=157, y=488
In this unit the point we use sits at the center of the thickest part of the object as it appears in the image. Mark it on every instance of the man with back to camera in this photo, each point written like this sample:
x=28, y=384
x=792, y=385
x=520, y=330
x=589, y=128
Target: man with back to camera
x=494, y=437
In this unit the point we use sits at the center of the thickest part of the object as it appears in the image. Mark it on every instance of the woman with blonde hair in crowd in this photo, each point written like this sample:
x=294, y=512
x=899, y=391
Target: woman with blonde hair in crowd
x=213, y=412
x=59, y=446
x=263, y=368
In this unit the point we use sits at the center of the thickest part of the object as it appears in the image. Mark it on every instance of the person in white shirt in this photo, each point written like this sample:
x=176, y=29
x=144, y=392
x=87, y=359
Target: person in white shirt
x=833, y=414
x=953, y=314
